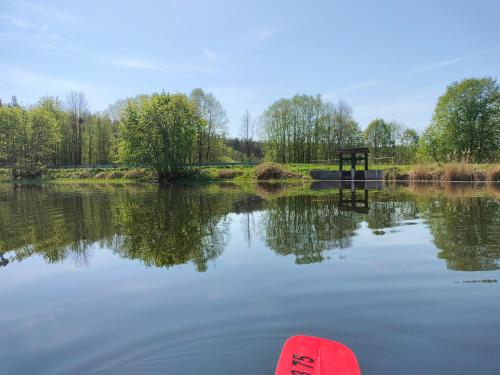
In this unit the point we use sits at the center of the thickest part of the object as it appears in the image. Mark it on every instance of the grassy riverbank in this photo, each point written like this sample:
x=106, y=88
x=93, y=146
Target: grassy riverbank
x=444, y=172
x=205, y=173
x=265, y=171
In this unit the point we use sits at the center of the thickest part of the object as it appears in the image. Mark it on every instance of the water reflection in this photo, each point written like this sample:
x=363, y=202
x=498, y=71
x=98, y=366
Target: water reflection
x=307, y=225
x=466, y=230
x=163, y=227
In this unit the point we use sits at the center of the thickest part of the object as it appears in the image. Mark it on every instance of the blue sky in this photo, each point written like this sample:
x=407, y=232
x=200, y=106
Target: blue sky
x=389, y=59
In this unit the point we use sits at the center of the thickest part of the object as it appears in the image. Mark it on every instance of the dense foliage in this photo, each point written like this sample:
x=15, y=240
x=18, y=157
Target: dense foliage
x=27, y=138
x=391, y=142
x=305, y=129
x=213, y=125
x=161, y=131
x=466, y=123
x=70, y=135
x=171, y=131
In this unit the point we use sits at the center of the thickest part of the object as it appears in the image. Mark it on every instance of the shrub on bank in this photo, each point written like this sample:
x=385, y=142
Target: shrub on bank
x=425, y=173
x=101, y=175
x=494, y=173
x=5, y=174
x=273, y=171
x=81, y=175
x=115, y=174
x=454, y=172
x=458, y=172
x=395, y=174
x=228, y=173
x=135, y=174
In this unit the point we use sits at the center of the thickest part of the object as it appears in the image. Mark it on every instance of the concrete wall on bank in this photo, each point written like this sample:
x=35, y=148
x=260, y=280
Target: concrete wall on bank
x=374, y=175
x=319, y=174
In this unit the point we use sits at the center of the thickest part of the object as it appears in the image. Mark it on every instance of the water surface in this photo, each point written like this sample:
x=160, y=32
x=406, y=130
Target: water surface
x=140, y=279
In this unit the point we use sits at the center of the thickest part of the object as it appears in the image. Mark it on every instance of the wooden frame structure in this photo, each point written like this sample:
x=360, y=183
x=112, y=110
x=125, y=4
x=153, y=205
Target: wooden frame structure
x=350, y=155
x=354, y=203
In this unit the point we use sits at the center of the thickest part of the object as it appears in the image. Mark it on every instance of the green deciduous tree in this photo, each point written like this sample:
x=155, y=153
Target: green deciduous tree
x=305, y=129
x=78, y=113
x=161, y=131
x=10, y=120
x=466, y=123
x=28, y=139
x=380, y=137
x=99, y=140
x=215, y=119
x=63, y=153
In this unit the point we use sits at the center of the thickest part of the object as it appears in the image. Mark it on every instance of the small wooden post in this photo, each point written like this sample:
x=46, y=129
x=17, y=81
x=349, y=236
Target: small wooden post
x=341, y=166
x=366, y=161
x=353, y=166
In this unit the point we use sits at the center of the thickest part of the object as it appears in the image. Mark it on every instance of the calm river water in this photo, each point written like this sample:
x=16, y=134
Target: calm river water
x=138, y=279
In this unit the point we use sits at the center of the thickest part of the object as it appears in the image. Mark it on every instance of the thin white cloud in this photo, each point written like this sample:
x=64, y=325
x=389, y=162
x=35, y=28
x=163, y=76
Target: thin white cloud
x=449, y=62
x=135, y=63
x=23, y=29
x=45, y=40
x=261, y=34
x=173, y=68
x=19, y=22
x=211, y=55
x=422, y=69
x=355, y=87
x=45, y=11
x=36, y=23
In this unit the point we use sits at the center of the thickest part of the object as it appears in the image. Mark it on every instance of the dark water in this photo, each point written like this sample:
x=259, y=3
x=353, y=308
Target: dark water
x=110, y=279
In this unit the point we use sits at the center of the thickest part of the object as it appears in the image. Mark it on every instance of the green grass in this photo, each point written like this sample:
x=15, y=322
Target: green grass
x=247, y=173
x=208, y=173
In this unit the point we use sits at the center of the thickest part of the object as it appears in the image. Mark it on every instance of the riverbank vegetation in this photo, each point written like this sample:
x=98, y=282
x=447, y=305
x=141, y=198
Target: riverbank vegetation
x=270, y=170
x=444, y=172
x=175, y=135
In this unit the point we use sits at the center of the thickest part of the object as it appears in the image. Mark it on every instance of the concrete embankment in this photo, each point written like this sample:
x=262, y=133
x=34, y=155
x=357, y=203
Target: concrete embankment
x=319, y=174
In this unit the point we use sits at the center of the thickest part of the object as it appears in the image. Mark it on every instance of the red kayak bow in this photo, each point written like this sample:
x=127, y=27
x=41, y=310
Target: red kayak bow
x=306, y=355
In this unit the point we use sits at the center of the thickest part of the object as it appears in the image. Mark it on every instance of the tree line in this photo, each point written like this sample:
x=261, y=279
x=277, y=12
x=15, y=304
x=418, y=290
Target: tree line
x=163, y=130
x=306, y=129
x=171, y=131
x=465, y=127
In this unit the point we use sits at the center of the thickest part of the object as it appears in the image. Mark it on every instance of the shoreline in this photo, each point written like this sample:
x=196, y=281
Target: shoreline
x=452, y=172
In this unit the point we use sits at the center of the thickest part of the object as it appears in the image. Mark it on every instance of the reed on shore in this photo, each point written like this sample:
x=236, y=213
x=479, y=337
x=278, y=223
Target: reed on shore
x=446, y=172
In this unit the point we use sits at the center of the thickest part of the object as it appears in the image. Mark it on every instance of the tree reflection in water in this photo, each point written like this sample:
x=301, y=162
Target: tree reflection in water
x=466, y=230
x=160, y=226
x=166, y=226
x=307, y=225
x=173, y=226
